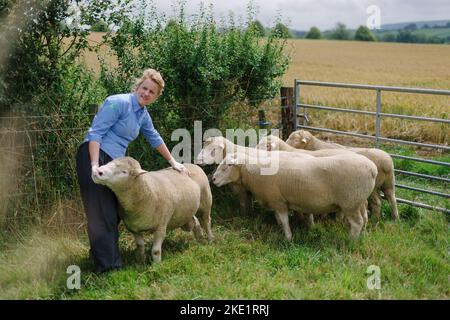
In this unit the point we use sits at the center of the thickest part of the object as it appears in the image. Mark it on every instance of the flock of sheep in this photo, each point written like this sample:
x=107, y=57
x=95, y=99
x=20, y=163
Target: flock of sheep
x=313, y=177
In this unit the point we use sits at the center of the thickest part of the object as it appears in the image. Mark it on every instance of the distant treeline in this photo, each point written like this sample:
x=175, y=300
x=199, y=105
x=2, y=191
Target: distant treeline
x=410, y=33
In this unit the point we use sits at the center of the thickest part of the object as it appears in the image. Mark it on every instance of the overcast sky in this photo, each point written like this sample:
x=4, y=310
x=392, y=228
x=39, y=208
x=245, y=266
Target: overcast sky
x=302, y=14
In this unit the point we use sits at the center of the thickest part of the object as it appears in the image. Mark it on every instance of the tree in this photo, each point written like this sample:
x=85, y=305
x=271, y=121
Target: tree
x=389, y=37
x=406, y=36
x=207, y=67
x=411, y=26
x=314, y=33
x=340, y=32
x=364, y=34
x=100, y=26
x=258, y=27
x=281, y=31
x=39, y=42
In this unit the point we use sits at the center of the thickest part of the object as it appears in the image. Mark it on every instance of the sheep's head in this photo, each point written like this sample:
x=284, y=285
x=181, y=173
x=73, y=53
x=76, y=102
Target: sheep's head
x=300, y=139
x=269, y=143
x=228, y=171
x=117, y=172
x=212, y=152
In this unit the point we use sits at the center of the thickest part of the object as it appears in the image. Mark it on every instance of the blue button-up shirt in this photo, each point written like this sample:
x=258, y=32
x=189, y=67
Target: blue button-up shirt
x=118, y=122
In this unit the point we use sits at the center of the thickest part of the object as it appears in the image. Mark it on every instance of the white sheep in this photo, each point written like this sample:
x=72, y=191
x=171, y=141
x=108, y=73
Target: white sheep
x=273, y=143
x=158, y=201
x=214, y=151
x=302, y=139
x=340, y=183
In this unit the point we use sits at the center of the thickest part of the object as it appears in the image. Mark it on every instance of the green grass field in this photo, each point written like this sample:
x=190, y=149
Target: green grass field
x=250, y=259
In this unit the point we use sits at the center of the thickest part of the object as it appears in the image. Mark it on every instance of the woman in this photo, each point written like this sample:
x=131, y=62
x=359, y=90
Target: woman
x=117, y=123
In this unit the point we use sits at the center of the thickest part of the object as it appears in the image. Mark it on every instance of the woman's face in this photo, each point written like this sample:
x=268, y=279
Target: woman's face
x=147, y=92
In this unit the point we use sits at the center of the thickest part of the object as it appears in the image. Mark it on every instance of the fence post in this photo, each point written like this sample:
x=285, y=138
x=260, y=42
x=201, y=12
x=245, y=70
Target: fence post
x=287, y=111
x=378, y=120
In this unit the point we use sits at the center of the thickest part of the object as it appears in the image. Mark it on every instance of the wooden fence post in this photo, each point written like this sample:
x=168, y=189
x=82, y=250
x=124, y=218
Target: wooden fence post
x=287, y=112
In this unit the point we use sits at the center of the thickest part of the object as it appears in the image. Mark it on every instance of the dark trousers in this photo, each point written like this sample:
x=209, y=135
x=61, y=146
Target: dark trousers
x=101, y=207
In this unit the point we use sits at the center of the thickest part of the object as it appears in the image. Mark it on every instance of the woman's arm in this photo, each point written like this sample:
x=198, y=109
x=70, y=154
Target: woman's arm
x=162, y=149
x=94, y=151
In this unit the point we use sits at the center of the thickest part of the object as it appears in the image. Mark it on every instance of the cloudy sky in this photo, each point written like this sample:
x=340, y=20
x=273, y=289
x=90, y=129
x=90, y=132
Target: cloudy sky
x=302, y=14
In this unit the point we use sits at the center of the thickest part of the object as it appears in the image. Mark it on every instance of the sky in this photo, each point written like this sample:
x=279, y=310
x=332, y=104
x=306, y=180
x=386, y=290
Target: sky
x=303, y=14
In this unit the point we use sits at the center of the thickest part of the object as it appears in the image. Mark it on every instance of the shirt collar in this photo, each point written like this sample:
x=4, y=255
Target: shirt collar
x=135, y=103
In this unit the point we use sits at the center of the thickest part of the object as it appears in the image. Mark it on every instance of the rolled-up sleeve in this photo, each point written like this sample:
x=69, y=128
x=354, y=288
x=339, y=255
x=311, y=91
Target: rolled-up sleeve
x=105, y=118
x=151, y=135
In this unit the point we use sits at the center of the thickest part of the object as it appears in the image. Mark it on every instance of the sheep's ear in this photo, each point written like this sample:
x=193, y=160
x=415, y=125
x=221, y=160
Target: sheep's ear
x=233, y=159
x=304, y=140
x=137, y=172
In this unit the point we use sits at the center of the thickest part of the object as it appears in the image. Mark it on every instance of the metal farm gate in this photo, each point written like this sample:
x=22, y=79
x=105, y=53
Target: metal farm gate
x=300, y=110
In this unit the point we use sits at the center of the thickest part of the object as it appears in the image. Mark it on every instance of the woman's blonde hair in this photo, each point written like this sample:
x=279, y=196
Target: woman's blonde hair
x=150, y=74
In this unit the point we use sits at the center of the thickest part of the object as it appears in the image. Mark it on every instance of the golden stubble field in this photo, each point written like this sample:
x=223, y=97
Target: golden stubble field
x=388, y=64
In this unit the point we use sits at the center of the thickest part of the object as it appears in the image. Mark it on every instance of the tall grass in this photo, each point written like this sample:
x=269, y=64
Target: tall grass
x=250, y=259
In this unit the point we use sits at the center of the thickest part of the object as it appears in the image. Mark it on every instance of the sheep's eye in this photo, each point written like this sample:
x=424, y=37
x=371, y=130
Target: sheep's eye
x=123, y=171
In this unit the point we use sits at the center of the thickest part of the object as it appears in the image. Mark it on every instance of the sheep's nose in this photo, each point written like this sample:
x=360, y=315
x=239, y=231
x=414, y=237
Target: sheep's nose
x=100, y=173
x=213, y=179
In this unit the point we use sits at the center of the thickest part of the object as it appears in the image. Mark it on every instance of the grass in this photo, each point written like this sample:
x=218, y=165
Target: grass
x=250, y=259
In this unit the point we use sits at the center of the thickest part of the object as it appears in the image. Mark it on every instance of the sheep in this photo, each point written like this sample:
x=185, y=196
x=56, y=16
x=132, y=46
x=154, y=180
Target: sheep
x=158, y=201
x=302, y=139
x=271, y=142
x=339, y=183
x=215, y=149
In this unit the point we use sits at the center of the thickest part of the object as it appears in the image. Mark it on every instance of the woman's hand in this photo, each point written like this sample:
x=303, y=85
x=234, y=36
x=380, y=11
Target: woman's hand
x=94, y=169
x=179, y=167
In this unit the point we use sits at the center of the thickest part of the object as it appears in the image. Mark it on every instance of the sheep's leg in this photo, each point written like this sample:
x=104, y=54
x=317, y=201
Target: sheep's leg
x=198, y=232
x=308, y=219
x=363, y=212
x=140, y=246
x=245, y=199
x=245, y=203
x=283, y=219
x=356, y=222
x=375, y=204
x=390, y=196
x=206, y=223
x=188, y=227
x=158, y=238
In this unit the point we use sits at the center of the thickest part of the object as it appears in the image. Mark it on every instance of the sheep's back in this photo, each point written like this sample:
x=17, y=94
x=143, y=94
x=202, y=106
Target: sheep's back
x=319, y=184
x=175, y=198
